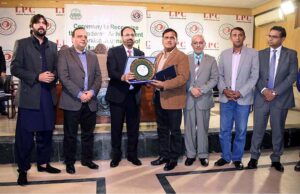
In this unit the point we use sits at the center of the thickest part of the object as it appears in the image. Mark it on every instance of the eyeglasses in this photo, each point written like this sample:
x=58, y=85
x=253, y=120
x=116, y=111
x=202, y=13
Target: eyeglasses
x=198, y=43
x=273, y=37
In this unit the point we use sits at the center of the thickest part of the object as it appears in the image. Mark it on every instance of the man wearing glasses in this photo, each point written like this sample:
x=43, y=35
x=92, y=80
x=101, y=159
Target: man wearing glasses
x=273, y=95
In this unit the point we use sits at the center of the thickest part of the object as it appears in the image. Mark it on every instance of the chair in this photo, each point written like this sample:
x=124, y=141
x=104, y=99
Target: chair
x=8, y=95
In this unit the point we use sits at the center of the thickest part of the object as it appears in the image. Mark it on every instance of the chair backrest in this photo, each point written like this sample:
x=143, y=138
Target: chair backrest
x=7, y=84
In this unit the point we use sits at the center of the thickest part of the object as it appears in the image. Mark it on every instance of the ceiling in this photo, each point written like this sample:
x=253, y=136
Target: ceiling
x=218, y=3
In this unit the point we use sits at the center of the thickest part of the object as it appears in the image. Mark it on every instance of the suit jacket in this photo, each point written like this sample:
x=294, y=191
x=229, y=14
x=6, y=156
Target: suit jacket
x=2, y=61
x=173, y=95
x=117, y=90
x=71, y=74
x=286, y=75
x=207, y=79
x=26, y=65
x=247, y=74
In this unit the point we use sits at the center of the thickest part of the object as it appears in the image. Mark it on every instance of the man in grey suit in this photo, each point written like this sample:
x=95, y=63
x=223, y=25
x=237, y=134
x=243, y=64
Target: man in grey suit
x=273, y=95
x=238, y=74
x=79, y=73
x=203, y=78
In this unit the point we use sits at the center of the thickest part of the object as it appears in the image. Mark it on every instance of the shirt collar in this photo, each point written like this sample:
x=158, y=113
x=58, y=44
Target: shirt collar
x=237, y=53
x=278, y=49
x=36, y=41
x=198, y=55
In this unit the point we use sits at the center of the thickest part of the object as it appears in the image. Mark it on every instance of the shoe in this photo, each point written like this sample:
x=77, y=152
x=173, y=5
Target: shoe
x=159, y=161
x=135, y=161
x=221, y=162
x=278, y=166
x=70, y=168
x=170, y=165
x=4, y=113
x=22, y=179
x=48, y=169
x=114, y=163
x=238, y=165
x=90, y=164
x=189, y=161
x=297, y=167
x=252, y=164
x=204, y=161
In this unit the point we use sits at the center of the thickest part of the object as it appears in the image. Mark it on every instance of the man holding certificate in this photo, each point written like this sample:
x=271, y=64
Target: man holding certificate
x=169, y=100
x=123, y=98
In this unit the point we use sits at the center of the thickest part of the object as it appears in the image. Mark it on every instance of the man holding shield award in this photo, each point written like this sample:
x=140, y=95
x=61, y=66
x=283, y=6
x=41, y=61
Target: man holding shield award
x=123, y=95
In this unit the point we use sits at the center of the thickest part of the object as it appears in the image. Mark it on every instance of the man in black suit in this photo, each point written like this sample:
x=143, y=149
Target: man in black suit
x=2, y=76
x=123, y=98
x=34, y=63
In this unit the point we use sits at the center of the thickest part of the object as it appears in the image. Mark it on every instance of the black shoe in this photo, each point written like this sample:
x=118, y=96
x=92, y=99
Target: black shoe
x=170, y=165
x=278, y=166
x=70, y=168
x=252, y=164
x=189, y=161
x=90, y=164
x=159, y=161
x=297, y=167
x=114, y=163
x=135, y=161
x=48, y=169
x=4, y=113
x=238, y=165
x=22, y=179
x=221, y=162
x=204, y=161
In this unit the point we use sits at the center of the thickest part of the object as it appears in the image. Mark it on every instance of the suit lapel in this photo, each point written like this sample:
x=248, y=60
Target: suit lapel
x=266, y=61
x=171, y=56
x=242, y=59
x=89, y=65
x=76, y=58
x=282, y=57
x=201, y=66
x=123, y=56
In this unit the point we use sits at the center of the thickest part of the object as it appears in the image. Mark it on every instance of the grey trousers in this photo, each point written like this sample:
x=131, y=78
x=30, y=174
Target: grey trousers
x=196, y=132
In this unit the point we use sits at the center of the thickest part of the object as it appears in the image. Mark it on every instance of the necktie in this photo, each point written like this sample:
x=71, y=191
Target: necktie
x=129, y=53
x=197, y=67
x=272, y=70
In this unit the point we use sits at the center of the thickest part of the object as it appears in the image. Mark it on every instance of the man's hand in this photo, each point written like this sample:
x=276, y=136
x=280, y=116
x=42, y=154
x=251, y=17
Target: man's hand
x=196, y=92
x=46, y=77
x=127, y=77
x=86, y=96
x=236, y=95
x=230, y=94
x=268, y=95
x=158, y=84
x=3, y=74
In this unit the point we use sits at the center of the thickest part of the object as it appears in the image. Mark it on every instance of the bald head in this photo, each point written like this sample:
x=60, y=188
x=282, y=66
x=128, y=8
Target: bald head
x=198, y=43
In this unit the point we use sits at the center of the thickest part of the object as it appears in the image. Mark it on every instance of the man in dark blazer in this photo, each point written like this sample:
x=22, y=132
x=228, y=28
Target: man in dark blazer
x=79, y=73
x=2, y=76
x=273, y=95
x=123, y=98
x=34, y=63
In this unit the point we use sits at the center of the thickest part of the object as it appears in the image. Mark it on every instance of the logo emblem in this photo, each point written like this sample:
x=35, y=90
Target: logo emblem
x=224, y=31
x=103, y=106
x=51, y=26
x=136, y=15
x=193, y=28
x=75, y=14
x=158, y=27
x=8, y=55
x=7, y=26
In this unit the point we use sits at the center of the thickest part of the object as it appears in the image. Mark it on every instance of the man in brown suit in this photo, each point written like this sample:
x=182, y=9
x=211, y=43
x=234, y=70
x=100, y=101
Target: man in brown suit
x=169, y=100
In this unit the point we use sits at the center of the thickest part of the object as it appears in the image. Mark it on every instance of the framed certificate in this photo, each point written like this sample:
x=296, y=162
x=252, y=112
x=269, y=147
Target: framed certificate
x=142, y=68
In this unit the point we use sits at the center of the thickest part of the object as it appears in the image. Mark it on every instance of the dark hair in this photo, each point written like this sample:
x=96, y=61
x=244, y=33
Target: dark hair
x=169, y=30
x=78, y=28
x=279, y=29
x=125, y=27
x=239, y=29
x=35, y=19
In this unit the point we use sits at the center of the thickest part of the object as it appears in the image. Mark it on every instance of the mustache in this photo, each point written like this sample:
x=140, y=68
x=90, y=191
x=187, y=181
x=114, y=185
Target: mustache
x=41, y=28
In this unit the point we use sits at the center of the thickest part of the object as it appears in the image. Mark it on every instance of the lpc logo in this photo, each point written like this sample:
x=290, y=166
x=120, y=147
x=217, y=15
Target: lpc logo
x=136, y=15
x=75, y=14
x=7, y=26
x=224, y=31
x=193, y=28
x=176, y=15
x=51, y=26
x=158, y=27
x=243, y=18
x=8, y=55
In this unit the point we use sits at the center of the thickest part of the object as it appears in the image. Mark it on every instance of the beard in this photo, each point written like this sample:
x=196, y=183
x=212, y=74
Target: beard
x=41, y=32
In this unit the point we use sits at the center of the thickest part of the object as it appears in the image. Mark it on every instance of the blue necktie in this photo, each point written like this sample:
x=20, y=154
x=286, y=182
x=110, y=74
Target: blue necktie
x=272, y=70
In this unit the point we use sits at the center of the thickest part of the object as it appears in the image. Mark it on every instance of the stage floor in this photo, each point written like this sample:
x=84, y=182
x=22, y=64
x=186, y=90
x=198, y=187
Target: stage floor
x=127, y=178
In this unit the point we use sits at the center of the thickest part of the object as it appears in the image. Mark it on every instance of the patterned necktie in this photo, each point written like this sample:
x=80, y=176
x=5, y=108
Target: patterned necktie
x=197, y=67
x=272, y=70
x=129, y=53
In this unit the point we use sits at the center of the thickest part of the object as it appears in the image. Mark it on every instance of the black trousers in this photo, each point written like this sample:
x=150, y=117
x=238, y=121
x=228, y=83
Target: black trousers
x=24, y=142
x=87, y=121
x=129, y=109
x=168, y=130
